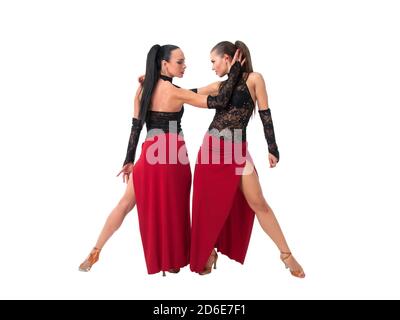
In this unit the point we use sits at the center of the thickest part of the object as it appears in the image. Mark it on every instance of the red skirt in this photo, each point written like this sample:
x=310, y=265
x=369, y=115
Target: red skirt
x=221, y=216
x=162, y=181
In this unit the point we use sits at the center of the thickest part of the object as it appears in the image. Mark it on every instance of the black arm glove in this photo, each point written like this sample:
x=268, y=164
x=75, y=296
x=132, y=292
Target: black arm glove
x=222, y=99
x=133, y=140
x=269, y=133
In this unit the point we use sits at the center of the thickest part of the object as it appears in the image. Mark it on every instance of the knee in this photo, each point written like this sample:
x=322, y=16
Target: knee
x=130, y=206
x=125, y=204
x=260, y=206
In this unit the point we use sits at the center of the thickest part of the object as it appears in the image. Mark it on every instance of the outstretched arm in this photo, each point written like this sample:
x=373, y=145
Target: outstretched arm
x=211, y=89
x=212, y=102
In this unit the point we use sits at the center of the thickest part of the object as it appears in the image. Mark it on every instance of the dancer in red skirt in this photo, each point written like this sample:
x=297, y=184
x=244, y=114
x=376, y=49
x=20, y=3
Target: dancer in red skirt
x=161, y=176
x=226, y=190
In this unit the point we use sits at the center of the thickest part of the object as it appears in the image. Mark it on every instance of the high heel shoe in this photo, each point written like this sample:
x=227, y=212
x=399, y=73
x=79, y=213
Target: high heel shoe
x=212, y=260
x=90, y=260
x=299, y=273
x=172, y=270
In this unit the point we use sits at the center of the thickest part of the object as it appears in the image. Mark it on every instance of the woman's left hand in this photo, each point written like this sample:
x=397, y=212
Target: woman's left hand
x=126, y=171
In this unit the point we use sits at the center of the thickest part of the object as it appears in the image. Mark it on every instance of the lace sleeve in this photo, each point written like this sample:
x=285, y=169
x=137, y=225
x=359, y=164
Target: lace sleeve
x=222, y=99
x=133, y=140
x=269, y=133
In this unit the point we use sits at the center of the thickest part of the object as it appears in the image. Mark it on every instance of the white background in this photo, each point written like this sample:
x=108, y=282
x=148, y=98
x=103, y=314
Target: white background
x=68, y=74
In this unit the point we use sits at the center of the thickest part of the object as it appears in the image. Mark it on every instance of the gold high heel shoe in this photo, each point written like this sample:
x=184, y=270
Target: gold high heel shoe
x=299, y=273
x=90, y=260
x=212, y=260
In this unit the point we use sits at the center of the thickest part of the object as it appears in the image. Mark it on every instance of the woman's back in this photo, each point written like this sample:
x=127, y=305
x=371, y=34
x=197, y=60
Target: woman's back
x=165, y=111
x=163, y=98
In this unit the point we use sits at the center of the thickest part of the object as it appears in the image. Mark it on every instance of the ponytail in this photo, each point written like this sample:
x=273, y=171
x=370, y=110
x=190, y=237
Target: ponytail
x=227, y=47
x=156, y=54
x=247, y=66
x=153, y=67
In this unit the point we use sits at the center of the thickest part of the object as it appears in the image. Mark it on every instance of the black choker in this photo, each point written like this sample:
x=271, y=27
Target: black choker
x=166, y=78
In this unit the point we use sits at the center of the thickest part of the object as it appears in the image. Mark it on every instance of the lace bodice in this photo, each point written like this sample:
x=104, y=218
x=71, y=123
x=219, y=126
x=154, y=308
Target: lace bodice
x=231, y=122
x=165, y=121
x=171, y=121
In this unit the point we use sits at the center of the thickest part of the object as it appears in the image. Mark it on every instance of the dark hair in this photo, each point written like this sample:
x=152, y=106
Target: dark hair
x=227, y=47
x=156, y=54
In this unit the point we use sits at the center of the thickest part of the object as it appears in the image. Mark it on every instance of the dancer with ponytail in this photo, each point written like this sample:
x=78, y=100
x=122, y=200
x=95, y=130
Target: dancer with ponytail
x=159, y=182
x=226, y=188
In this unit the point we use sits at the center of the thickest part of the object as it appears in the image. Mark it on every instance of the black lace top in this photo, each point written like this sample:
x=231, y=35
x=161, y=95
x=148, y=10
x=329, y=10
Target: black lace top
x=165, y=121
x=171, y=121
x=231, y=122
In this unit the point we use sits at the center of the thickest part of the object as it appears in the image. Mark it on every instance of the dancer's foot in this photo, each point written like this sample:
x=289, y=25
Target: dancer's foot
x=90, y=260
x=290, y=263
x=212, y=260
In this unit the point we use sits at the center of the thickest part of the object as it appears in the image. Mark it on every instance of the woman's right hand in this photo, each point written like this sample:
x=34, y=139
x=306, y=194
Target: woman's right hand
x=141, y=79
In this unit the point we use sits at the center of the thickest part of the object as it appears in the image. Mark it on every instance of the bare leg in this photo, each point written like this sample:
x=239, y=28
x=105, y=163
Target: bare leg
x=112, y=224
x=118, y=214
x=252, y=191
